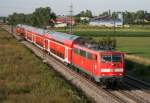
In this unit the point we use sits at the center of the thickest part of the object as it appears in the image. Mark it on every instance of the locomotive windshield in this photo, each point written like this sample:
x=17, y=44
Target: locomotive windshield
x=106, y=58
x=116, y=58
x=111, y=58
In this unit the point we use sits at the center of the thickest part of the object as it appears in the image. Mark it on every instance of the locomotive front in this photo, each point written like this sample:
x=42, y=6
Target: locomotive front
x=111, y=67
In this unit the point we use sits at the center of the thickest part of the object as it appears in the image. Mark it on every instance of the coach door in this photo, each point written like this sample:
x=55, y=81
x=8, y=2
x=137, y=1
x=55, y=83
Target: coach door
x=32, y=37
x=46, y=44
x=66, y=54
x=26, y=34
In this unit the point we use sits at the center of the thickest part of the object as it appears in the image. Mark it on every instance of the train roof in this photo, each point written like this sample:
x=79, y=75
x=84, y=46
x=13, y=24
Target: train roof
x=65, y=38
x=33, y=29
x=95, y=47
x=97, y=51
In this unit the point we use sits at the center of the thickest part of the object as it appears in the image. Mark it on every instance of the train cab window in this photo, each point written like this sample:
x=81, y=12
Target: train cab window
x=111, y=58
x=106, y=58
x=91, y=56
x=94, y=57
x=116, y=58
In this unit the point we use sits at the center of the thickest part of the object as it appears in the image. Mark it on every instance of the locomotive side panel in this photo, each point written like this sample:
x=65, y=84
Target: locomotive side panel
x=86, y=61
x=70, y=55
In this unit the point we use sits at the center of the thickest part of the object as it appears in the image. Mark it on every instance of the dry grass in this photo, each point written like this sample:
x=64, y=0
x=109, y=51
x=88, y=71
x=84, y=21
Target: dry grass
x=138, y=46
x=138, y=59
x=25, y=79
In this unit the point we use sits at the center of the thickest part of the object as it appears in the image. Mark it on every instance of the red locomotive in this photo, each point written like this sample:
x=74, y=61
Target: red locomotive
x=104, y=66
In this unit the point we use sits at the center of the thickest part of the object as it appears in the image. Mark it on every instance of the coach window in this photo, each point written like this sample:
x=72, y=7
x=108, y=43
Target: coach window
x=89, y=55
x=75, y=50
x=83, y=53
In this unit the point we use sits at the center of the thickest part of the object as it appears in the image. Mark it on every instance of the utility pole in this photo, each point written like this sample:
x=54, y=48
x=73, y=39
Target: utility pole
x=71, y=17
x=114, y=24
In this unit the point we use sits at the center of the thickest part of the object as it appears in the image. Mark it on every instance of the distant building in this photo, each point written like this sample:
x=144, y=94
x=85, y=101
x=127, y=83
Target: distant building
x=84, y=18
x=107, y=21
x=141, y=21
x=58, y=25
x=63, y=21
x=1, y=21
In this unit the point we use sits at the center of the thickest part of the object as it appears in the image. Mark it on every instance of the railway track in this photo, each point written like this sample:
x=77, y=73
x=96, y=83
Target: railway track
x=100, y=95
x=138, y=88
x=137, y=83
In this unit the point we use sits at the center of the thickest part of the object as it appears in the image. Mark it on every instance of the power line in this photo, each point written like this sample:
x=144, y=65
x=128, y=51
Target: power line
x=15, y=8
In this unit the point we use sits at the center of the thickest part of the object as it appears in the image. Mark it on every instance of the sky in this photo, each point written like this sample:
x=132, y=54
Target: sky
x=61, y=7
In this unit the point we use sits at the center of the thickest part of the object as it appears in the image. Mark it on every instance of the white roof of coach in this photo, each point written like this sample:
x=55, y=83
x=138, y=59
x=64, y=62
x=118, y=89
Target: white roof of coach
x=33, y=29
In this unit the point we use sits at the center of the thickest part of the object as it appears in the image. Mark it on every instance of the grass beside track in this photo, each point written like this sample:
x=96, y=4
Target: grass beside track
x=139, y=46
x=25, y=79
x=99, y=32
x=118, y=33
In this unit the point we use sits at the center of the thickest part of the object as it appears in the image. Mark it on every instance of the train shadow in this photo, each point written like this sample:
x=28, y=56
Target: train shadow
x=137, y=77
x=131, y=87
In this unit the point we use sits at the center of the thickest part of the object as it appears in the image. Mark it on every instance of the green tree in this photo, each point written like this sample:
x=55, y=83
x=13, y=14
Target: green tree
x=43, y=16
x=86, y=13
x=108, y=43
x=40, y=17
x=129, y=17
x=3, y=19
x=147, y=16
x=114, y=15
x=140, y=14
x=105, y=13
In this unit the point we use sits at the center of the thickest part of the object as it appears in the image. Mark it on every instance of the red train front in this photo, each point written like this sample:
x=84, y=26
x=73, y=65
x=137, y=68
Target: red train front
x=104, y=66
x=111, y=67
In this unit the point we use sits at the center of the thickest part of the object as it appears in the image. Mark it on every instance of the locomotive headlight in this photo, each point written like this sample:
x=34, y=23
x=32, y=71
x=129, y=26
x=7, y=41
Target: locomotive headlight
x=82, y=61
x=106, y=70
x=119, y=70
x=103, y=74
